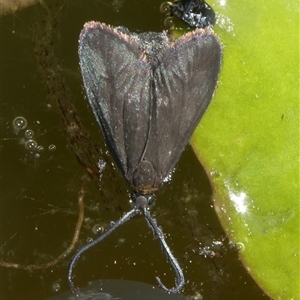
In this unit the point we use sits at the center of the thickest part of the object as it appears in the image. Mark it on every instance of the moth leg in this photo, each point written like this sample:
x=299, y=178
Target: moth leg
x=180, y=281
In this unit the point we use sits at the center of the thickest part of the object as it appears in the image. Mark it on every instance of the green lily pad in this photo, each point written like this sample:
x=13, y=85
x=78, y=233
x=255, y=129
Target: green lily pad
x=248, y=140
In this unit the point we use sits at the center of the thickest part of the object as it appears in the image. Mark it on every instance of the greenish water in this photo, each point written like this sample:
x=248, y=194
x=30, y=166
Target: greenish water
x=39, y=189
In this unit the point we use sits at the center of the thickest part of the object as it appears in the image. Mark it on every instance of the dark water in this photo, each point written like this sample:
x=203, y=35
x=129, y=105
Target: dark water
x=39, y=188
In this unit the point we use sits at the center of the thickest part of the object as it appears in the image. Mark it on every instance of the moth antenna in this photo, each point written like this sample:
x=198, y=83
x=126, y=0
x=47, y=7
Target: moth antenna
x=180, y=281
x=86, y=247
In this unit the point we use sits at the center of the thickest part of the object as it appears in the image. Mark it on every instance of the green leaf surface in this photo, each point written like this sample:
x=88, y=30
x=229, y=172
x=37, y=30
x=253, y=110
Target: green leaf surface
x=248, y=140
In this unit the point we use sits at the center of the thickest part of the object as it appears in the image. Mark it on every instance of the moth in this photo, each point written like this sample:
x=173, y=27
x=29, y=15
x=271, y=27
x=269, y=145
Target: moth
x=148, y=93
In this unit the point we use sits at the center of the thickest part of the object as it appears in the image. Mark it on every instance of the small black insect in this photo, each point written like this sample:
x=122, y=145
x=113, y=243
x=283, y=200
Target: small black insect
x=148, y=94
x=195, y=13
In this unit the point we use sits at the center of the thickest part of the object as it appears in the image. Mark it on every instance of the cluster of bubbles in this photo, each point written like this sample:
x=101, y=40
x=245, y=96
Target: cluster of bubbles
x=165, y=8
x=20, y=125
x=97, y=229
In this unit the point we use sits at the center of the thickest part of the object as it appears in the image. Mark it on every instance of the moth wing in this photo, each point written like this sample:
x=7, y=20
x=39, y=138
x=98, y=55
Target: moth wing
x=116, y=80
x=185, y=81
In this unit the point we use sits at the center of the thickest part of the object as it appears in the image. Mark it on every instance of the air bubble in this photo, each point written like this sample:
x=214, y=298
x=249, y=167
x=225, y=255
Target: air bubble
x=97, y=229
x=52, y=147
x=240, y=246
x=31, y=145
x=40, y=148
x=19, y=123
x=89, y=240
x=29, y=134
x=56, y=287
x=169, y=22
x=165, y=7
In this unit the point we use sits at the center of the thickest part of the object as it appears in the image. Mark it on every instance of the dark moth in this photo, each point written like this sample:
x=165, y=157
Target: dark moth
x=148, y=94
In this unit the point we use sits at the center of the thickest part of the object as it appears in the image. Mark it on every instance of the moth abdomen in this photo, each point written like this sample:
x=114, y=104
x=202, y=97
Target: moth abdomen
x=144, y=178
